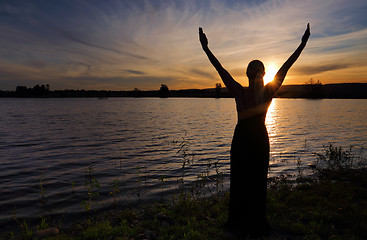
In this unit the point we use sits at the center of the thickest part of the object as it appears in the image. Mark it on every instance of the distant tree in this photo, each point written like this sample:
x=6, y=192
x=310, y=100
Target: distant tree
x=137, y=92
x=218, y=86
x=39, y=91
x=163, y=91
x=36, y=91
x=21, y=91
x=314, y=89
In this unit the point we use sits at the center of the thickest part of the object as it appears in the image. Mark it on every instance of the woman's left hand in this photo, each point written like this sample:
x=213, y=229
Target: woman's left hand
x=203, y=39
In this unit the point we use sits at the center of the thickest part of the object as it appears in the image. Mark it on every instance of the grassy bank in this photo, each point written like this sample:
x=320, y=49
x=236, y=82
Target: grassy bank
x=331, y=204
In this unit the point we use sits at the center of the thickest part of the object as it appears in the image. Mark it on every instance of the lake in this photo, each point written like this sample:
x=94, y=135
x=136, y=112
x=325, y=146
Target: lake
x=49, y=148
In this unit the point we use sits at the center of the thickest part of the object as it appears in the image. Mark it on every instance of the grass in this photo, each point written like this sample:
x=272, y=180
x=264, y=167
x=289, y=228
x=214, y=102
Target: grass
x=322, y=208
x=331, y=204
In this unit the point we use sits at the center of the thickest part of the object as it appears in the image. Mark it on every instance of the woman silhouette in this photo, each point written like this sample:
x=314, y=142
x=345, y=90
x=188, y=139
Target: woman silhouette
x=250, y=144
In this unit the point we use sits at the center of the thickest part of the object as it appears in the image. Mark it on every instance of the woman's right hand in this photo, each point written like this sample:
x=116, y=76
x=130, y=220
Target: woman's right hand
x=307, y=34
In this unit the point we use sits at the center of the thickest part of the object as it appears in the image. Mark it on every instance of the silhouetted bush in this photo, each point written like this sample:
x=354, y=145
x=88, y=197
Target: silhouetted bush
x=218, y=87
x=314, y=89
x=137, y=92
x=163, y=91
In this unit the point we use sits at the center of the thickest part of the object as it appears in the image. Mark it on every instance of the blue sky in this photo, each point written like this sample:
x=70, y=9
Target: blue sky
x=122, y=45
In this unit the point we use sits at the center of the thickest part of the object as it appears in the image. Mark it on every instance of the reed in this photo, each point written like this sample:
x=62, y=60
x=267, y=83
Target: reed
x=115, y=191
x=92, y=186
x=187, y=158
x=335, y=158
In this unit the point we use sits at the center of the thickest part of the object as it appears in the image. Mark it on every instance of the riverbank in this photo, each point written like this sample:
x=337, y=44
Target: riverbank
x=330, y=204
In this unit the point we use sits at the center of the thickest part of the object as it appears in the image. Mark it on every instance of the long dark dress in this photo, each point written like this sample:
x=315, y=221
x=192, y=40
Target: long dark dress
x=249, y=168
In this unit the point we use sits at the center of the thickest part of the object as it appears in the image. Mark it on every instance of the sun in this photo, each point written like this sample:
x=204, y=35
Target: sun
x=270, y=72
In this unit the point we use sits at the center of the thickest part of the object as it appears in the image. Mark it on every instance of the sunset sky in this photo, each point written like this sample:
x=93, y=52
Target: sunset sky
x=122, y=45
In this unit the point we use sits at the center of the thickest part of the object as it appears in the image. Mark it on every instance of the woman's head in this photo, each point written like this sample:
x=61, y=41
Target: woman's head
x=254, y=68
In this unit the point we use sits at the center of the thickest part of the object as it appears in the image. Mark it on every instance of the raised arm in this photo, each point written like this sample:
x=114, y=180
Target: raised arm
x=274, y=85
x=233, y=86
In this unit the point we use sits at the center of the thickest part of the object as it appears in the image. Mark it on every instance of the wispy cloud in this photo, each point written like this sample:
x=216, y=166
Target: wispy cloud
x=311, y=70
x=79, y=39
x=134, y=72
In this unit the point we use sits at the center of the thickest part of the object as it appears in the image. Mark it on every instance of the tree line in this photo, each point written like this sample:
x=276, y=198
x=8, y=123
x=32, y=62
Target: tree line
x=36, y=91
x=311, y=89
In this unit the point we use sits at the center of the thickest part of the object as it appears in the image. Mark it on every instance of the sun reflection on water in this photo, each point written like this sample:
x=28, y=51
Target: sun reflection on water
x=272, y=113
x=270, y=121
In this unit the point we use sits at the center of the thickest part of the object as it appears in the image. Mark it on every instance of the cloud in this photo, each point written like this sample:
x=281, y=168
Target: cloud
x=134, y=72
x=202, y=73
x=311, y=70
x=7, y=8
x=74, y=38
x=77, y=39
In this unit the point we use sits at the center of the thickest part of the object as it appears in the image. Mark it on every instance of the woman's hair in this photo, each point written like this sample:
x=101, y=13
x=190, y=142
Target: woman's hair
x=253, y=68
